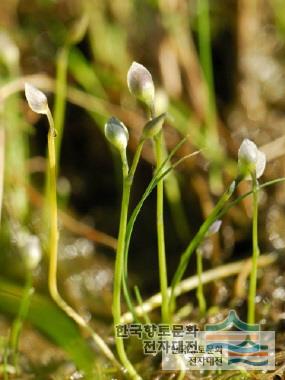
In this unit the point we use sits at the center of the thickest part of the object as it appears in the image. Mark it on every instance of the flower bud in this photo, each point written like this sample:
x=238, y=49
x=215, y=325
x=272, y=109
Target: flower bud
x=32, y=252
x=140, y=84
x=251, y=159
x=36, y=99
x=161, y=102
x=9, y=51
x=117, y=133
x=153, y=127
x=260, y=163
x=214, y=228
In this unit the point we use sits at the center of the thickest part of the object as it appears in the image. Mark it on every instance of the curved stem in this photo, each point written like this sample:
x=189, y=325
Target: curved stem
x=255, y=255
x=195, y=242
x=53, y=248
x=136, y=160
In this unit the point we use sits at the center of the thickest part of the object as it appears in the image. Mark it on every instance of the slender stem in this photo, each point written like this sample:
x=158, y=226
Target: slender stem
x=59, y=115
x=255, y=255
x=140, y=302
x=160, y=232
x=136, y=160
x=191, y=283
x=155, y=179
x=205, y=51
x=119, y=268
x=53, y=218
x=53, y=248
x=200, y=291
x=196, y=241
x=18, y=323
x=131, y=174
x=204, y=33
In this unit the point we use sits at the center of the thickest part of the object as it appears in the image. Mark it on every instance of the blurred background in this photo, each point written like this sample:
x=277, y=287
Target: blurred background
x=219, y=70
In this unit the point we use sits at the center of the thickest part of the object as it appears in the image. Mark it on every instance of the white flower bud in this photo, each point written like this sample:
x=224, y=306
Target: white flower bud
x=161, y=102
x=9, y=51
x=214, y=228
x=153, y=126
x=251, y=159
x=260, y=163
x=32, y=252
x=117, y=133
x=140, y=83
x=36, y=99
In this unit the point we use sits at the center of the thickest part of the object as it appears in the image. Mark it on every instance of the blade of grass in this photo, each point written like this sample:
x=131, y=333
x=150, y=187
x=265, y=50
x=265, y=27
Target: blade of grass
x=52, y=322
x=2, y=164
x=196, y=241
x=211, y=131
x=20, y=318
x=243, y=196
x=155, y=179
x=220, y=209
x=191, y=283
x=140, y=302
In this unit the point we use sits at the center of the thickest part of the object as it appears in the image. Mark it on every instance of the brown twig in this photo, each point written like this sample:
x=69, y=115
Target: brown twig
x=74, y=225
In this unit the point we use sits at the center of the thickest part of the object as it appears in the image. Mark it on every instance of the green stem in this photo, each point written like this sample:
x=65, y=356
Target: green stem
x=53, y=218
x=158, y=175
x=126, y=290
x=53, y=248
x=18, y=323
x=59, y=116
x=255, y=255
x=200, y=291
x=211, y=131
x=196, y=241
x=140, y=302
x=119, y=268
x=136, y=160
x=204, y=33
x=160, y=232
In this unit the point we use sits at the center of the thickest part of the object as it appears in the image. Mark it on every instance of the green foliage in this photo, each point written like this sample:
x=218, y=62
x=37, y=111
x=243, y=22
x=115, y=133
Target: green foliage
x=51, y=321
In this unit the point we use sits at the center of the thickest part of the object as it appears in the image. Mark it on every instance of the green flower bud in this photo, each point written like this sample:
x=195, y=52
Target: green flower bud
x=153, y=127
x=140, y=84
x=117, y=133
